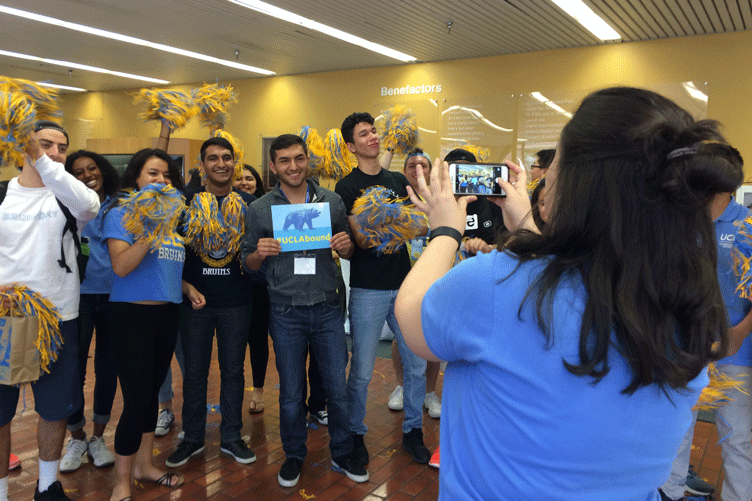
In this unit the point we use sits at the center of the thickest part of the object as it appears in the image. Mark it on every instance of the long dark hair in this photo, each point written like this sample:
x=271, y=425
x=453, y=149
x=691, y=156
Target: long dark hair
x=629, y=216
x=535, y=203
x=259, y=183
x=136, y=165
x=110, y=179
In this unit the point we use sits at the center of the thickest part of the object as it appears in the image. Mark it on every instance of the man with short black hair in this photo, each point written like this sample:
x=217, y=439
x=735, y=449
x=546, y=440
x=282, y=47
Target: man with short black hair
x=374, y=282
x=227, y=291
x=305, y=310
x=31, y=238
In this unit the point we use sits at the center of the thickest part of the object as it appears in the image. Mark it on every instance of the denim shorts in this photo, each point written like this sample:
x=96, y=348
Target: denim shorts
x=57, y=393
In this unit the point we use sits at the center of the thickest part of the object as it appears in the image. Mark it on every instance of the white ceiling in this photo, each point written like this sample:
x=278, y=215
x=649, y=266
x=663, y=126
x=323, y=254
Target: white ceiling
x=416, y=27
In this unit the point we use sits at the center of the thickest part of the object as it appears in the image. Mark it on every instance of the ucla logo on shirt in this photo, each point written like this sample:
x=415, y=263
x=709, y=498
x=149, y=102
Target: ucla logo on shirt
x=725, y=240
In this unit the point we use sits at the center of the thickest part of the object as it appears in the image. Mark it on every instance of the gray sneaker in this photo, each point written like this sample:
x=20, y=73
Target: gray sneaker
x=75, y=450
x=164, y=423
x=696, y=485
x=99, y=454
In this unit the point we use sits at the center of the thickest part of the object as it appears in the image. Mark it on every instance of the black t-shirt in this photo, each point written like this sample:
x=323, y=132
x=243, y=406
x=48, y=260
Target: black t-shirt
x=222, y=286
x=484, y=220
x=369, y=270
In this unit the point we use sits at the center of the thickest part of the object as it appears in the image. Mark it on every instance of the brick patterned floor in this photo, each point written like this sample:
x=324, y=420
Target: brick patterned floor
x=212, y=476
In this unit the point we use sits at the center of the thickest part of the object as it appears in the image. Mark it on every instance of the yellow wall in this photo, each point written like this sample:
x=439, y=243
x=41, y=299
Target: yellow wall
x=276, y=105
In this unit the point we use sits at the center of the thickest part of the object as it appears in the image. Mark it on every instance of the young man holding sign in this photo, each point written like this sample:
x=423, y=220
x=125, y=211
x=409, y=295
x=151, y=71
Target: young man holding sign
x=294, y=228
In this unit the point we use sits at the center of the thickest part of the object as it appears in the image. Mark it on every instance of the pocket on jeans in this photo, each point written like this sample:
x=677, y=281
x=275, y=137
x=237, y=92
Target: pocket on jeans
x=280, y=309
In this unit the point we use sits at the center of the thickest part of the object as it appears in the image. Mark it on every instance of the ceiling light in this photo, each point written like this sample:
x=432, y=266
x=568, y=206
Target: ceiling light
x=587, y=18
x=132, y=40
x=84, y=67
x=62, y=87
x=290, y=17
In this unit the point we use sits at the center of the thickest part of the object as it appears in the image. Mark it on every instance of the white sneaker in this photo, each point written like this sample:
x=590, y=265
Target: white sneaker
x=99, y=454
x=164, y=422
x=395, y=399
x=75, y=450
x=433, y=404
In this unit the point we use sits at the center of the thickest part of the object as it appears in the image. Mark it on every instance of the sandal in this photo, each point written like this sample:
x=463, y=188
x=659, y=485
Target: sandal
x=166, y=480
x=256, y=406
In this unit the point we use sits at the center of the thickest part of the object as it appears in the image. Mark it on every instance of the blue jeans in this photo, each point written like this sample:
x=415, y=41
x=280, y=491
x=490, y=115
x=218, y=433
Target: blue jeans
x=232, y=326
x=293, y=329
x=368, y=310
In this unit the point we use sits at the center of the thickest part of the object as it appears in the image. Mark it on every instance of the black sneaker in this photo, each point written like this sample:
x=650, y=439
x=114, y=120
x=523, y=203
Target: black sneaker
x=359, y=453
x=412, y=442
x=696, y=485
x=289, y=474
x=183, y=453
x=349, y=468
x=322, y=417
x=239, y=451
x=54, y=492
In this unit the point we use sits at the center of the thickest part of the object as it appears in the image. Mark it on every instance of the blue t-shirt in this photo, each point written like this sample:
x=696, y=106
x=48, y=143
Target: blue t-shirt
x=726, y=227
x=515, y=423
x=159, y=275
x=98, y=268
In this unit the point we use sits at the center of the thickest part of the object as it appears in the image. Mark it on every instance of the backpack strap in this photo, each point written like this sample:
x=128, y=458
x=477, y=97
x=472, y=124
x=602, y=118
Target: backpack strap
x=70, y=225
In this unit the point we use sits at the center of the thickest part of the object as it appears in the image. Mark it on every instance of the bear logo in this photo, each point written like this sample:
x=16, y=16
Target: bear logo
x=300, y=218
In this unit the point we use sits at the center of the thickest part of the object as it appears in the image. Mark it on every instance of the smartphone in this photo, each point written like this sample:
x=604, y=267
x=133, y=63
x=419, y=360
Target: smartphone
x=478, y=179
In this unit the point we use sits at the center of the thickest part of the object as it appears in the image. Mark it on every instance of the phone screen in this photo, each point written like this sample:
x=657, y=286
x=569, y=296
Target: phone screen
x=478, y=179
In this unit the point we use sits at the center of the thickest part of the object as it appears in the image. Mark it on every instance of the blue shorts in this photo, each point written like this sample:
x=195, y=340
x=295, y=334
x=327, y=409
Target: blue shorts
x=57, y=395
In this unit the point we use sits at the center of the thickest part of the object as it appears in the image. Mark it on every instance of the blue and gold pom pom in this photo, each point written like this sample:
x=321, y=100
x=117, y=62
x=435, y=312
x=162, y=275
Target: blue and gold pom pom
x=400, y=130
x=21, y=104
x=23, y=302
x=236, y=147
x=481, y=154
x=338, y=161
x=153, y=213
x=742, y=257
x=715, y=394
x=208, y=229
x=172, y=108
x=316, y=151
x=213, y=100
x=387, y=222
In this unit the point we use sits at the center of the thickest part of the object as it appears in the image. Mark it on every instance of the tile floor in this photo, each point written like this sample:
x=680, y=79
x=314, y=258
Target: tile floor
x=212, y=476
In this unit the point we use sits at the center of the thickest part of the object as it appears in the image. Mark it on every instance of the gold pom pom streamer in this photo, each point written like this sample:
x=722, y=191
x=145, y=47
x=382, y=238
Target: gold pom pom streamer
x=153, y=213
x=31, y=304
x=208, y=230
x=338, y=161
x=742, y=257
x=172, y=108
x=44, y=98
x=481, y=154
x=715, y=394
x=401, y=130
x=213, y=100
x=21, y=104
x=316, y=151
x=387, y=222
x=236, y=147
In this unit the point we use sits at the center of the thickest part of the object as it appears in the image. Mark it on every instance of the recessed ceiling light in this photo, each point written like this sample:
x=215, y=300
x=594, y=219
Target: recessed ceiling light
x=62, y=87
x=271, y=10
x=133, y=40
x=84, y=67
x=587, y=18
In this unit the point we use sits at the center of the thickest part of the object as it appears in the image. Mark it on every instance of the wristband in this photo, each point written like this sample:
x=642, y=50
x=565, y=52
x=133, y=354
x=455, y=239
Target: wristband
x=448, y=231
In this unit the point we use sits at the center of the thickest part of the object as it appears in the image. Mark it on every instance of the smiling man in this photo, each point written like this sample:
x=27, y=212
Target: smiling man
x=374, y=282
x=305, y=309
x=227, y=291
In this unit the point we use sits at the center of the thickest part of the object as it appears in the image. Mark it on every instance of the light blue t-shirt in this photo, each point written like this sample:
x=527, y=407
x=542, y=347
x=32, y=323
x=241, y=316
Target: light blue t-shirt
x=726, y=228
x=159, y=275
x=515, y=423
x=98, y=268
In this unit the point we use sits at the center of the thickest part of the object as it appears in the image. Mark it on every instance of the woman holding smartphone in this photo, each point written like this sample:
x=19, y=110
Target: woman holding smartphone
x=576, y=355
x=143, y=321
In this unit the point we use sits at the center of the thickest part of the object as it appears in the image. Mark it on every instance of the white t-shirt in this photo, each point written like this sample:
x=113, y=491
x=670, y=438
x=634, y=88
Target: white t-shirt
x=31, y=228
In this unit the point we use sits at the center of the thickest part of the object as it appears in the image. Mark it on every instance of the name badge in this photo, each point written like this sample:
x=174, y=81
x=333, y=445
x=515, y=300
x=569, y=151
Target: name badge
x=305, y=265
